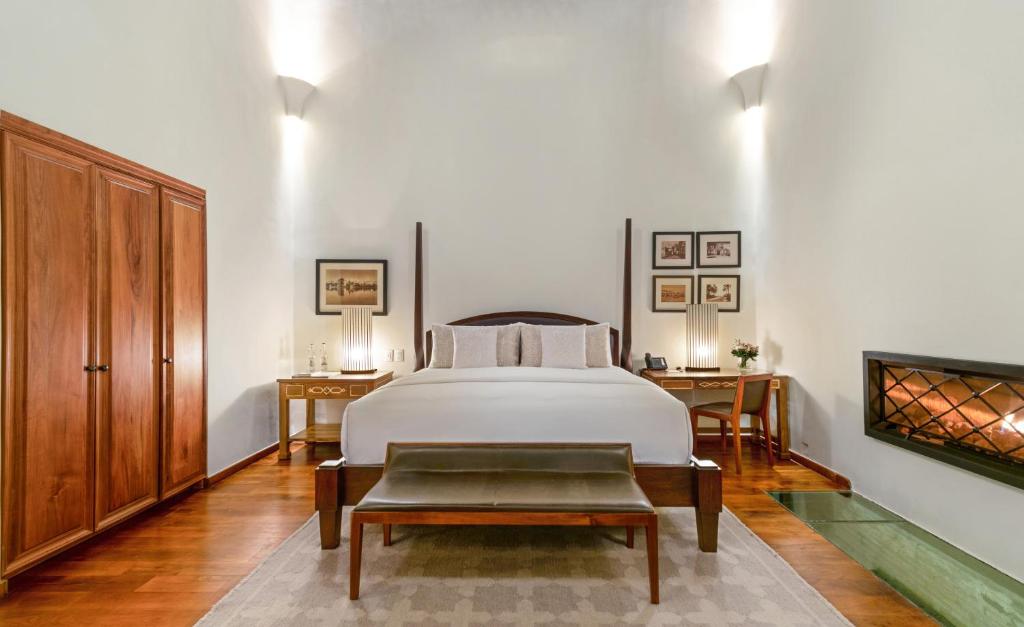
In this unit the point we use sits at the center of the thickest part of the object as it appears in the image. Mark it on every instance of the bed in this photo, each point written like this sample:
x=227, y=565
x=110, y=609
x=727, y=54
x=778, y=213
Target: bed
x=519, y=404
x=522, y=404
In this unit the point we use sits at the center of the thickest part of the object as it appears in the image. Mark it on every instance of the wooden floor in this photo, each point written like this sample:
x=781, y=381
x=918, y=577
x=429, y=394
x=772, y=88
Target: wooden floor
x=172, y=564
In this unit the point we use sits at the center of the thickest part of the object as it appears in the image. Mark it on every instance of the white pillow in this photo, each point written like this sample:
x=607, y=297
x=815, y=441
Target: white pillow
x=442, y=345
x=475, y=347
x=530, y=345
x=599, y=352
x=508, y=344
x=563, y=346
x=442, y=348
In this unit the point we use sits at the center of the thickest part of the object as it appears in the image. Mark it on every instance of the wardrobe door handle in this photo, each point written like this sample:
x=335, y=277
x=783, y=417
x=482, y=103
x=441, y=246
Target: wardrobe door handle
x=90, y=368
x=103, y=368
x=168, y=360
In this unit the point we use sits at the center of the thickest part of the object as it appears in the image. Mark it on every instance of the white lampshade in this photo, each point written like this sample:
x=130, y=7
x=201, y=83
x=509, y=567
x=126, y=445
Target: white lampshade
x=751, y=83
x=702, y=337
x=296, y=93
x=356, y=339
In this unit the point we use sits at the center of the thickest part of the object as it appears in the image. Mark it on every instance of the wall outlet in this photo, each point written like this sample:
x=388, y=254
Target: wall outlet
x=389, y=355
x=399, y=354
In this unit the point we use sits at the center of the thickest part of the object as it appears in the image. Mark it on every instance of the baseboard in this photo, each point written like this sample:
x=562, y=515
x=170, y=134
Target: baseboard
x=824, y=471
x=240, y=464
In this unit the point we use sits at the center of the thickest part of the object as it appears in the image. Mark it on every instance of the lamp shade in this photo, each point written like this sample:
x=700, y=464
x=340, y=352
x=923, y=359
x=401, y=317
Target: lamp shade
x=296, y=93
x=702, y=337
x=751, y=83
x=356, y=339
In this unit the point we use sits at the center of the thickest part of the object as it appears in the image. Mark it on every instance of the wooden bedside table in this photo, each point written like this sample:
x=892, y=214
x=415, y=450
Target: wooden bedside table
x=312, y=389
x=725, y=379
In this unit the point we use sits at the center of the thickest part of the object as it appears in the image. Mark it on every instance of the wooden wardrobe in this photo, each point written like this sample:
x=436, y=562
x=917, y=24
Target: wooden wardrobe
x=104, y=340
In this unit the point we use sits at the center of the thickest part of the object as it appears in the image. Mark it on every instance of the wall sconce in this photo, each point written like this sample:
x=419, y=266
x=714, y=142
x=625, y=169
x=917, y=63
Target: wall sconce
x=357, y=340
x=750, y=81
x=702, y=337
x=296, y=93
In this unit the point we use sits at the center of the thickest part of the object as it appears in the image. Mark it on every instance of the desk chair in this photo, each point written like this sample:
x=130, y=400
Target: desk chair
x=753, y=392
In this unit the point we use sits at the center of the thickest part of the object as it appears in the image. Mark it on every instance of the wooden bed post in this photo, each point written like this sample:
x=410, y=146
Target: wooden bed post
x=329, y=498
x=707, y=488
x=626, y=359
x=417, y=320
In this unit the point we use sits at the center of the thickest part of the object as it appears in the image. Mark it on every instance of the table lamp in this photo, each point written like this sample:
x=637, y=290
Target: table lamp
x=357, y=340
x=702, y=338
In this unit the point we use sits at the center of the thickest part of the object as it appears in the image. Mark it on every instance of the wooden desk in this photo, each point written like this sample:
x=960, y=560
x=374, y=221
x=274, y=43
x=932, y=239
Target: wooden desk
x=725, y=379
x=312, y=389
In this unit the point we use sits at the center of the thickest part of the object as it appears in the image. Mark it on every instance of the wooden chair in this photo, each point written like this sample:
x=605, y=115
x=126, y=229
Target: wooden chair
x=753, y=393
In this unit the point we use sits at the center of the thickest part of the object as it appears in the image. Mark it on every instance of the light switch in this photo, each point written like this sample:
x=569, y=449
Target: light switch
x=399, y=354
x=389, y=355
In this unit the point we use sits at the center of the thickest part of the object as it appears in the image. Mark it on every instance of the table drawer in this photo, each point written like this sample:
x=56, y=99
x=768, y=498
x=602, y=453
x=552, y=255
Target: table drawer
x=326, y=390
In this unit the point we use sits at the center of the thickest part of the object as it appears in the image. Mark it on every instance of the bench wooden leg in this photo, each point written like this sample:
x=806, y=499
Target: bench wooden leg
x=387, y=534
x=652, y=555
x=355, y=559
x=629, y=537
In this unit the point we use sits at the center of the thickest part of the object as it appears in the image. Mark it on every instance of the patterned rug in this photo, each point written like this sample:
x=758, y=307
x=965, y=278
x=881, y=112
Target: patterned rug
x=526, y=576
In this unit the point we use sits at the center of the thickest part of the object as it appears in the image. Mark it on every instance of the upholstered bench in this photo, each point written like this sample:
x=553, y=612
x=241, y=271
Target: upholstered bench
x=507, y=484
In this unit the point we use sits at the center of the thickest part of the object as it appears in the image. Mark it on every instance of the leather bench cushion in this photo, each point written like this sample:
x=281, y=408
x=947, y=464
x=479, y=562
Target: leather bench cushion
x=509, y=491
x=501, y=457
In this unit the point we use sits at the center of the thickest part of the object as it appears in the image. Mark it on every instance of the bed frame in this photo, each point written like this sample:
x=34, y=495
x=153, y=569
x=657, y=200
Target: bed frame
x=697, y=484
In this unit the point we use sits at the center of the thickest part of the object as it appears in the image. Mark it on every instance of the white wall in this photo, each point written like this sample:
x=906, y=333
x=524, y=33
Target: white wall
x=521, y=134
x=186, y=88
x=892, y=222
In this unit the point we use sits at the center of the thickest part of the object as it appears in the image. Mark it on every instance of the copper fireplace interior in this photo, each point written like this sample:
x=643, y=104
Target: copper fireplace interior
x=966, y=413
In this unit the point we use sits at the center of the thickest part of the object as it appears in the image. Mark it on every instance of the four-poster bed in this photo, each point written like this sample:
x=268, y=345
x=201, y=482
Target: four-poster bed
x=612, y=405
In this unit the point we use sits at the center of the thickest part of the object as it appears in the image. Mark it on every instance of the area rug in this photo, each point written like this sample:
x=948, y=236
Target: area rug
x=526, y=576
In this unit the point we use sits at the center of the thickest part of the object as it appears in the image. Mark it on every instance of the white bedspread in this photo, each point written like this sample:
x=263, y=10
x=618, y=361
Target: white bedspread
x=519, y=405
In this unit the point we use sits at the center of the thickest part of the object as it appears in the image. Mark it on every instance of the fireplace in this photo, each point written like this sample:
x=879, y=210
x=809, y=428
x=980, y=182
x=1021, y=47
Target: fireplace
x=966, y=413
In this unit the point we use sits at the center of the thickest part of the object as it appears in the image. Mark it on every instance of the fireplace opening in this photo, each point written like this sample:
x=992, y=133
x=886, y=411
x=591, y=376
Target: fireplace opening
x=966, y=413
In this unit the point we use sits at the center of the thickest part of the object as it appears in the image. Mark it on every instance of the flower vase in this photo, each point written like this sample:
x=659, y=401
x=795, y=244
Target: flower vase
x=745, y=364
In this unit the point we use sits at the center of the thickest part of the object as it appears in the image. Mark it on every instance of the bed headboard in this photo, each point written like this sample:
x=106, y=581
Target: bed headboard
x=526, y=317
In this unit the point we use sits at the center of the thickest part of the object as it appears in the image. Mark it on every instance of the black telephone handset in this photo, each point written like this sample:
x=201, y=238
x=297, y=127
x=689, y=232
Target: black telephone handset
x=655, y=363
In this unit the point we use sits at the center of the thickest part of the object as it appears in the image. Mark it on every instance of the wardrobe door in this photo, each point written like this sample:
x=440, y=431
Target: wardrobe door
x=48, y=308
x=184, y=298
x=128, y=378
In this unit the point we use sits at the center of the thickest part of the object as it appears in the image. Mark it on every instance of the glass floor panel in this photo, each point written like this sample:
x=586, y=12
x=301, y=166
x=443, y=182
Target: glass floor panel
x=950, y=585
x=833, y=507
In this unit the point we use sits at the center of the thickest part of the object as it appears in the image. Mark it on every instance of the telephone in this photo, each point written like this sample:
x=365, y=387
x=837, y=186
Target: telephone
x=655, y=363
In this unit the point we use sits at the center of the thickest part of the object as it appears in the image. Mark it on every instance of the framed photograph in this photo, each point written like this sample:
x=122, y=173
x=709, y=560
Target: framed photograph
x=672, y=250
x=718, y=249
x=671, y=293
x=351, y=283
x=721, y=289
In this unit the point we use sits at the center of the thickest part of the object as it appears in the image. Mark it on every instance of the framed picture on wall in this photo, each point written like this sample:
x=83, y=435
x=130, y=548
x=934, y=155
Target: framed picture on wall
x=672, y=250
x=671, y=293
x=718, y=249
x=721, y=289
x=351, y=283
